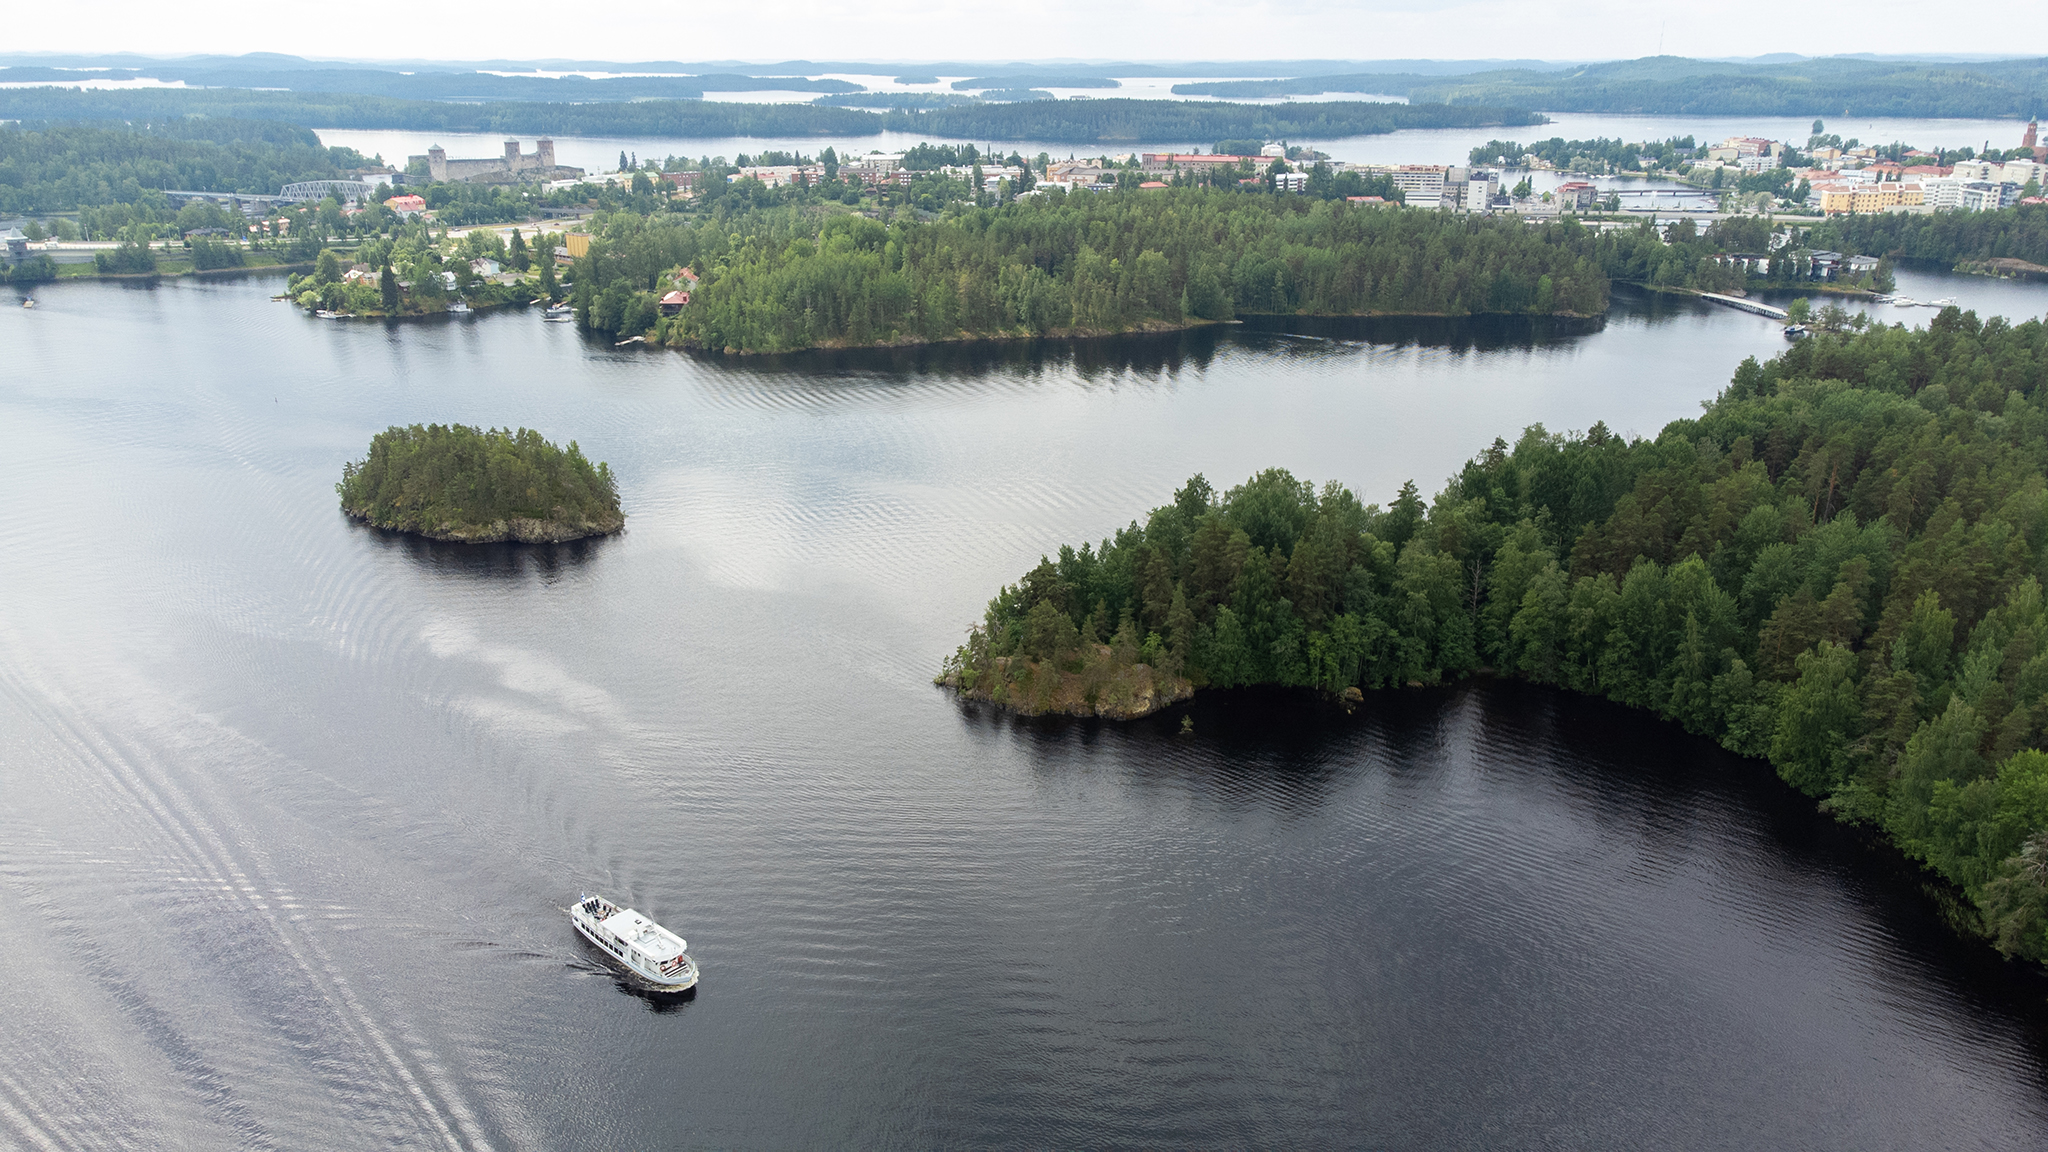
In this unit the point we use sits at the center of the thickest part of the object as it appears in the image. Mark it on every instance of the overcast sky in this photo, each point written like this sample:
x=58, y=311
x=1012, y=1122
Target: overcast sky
x=766, y=30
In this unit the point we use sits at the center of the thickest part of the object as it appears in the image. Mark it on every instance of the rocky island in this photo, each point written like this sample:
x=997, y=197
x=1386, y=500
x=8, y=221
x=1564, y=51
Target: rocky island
x=454, y=482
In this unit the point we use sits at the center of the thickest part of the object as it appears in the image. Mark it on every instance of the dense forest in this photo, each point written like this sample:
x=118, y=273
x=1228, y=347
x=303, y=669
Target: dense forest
x=1061, y=121
x=781, y=280
x=1837, y=567
x=1677, y=85
x=776, y=271
x=63, y=167
x=453, y=482
x=2019, y=233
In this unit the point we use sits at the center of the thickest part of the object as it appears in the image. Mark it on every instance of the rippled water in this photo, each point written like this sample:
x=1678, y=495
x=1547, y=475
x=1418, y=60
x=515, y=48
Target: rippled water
x=292, y=808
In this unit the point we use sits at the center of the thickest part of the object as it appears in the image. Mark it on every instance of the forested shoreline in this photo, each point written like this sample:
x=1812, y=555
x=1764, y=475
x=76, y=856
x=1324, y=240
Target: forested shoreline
x=1079, y=264
x=1063, y=121
x=1837, y=567
x=63, y=167
x=1676, y=85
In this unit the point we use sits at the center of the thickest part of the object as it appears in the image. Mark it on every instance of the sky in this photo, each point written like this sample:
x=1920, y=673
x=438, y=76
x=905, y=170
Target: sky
x=910, y=30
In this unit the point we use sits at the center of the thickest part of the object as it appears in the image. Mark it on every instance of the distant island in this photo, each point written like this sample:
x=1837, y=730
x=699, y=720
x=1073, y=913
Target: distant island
x=454, y=482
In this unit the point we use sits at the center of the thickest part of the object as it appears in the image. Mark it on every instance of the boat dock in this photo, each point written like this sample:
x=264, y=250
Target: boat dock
x=1746, y=305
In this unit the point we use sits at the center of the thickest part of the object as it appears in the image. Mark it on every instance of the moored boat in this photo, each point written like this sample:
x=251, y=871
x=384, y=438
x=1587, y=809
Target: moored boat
x=1795, y=332
x=649, y=951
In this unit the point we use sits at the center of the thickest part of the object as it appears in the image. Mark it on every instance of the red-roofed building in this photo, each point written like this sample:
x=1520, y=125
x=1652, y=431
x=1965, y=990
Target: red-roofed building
x=407, y=205
x=674, y=302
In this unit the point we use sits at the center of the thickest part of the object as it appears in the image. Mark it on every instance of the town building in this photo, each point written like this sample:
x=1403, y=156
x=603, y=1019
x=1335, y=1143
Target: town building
x=407, y=206
x=1575, y=196
x=1482, y=187
x=1421, y=185
x=1155, y=163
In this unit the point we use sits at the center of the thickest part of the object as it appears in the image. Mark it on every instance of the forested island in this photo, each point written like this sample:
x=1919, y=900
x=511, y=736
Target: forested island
x=1069, y=265
x=454, y=482
x=1837, y=567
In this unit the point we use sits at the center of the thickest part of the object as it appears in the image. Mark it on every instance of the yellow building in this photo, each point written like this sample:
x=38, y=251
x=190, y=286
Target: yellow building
x=1841, y=199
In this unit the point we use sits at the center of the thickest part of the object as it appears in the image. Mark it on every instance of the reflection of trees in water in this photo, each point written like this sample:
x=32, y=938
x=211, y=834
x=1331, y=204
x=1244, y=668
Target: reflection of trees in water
x=487, y=561
x=1453, y=333
x=1159, y=354
x=1667, y=801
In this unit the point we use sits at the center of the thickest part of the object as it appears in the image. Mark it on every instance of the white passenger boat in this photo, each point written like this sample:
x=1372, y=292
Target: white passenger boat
x=650, y=951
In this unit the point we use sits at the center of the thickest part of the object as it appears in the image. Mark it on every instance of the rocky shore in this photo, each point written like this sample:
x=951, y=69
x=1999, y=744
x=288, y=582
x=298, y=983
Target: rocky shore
x=520, y=530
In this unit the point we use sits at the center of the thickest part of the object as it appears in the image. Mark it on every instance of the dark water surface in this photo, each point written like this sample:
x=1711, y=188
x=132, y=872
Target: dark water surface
x=290, y=809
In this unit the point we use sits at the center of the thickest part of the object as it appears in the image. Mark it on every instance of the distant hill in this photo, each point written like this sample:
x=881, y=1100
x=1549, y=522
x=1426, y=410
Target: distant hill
x=1832, y=86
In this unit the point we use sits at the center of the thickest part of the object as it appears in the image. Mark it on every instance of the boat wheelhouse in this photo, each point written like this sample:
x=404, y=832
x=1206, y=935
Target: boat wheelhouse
x=648, y=950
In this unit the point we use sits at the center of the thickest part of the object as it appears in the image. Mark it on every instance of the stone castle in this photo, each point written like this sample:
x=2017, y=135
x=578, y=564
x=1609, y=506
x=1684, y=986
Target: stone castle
x=514, y=167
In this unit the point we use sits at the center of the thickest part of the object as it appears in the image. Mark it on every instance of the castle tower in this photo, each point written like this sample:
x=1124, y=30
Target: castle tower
x=2031, y=141
x=544, y=152
x=511, y=155
x=437, y=162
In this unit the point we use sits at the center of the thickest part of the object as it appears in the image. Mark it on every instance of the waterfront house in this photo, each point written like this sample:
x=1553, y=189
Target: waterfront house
x=674, y=302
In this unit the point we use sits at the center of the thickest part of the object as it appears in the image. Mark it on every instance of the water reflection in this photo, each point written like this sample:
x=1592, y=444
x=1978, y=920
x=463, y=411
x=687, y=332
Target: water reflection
x=1451, y=333
x=492, y=561
x=1160, y=353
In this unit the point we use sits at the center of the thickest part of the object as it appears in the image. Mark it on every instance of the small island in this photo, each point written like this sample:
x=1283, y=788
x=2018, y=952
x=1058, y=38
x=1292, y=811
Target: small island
x=477, y=486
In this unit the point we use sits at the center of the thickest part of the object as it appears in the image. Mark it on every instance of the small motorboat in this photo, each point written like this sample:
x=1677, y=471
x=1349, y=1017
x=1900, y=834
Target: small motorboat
x=324, y=314
x=1944, y=302
x=29, y=303
x=1904, y=302
x=1796, y=332
x=460, y=309
x=558, y=311
x=649, y=951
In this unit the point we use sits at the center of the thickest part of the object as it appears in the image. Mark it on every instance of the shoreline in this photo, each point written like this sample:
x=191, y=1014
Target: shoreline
x=517, y=530
x=1150, y=327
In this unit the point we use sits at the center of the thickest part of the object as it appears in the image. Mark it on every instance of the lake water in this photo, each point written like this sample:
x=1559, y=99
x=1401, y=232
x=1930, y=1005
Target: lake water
x=293, y=807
